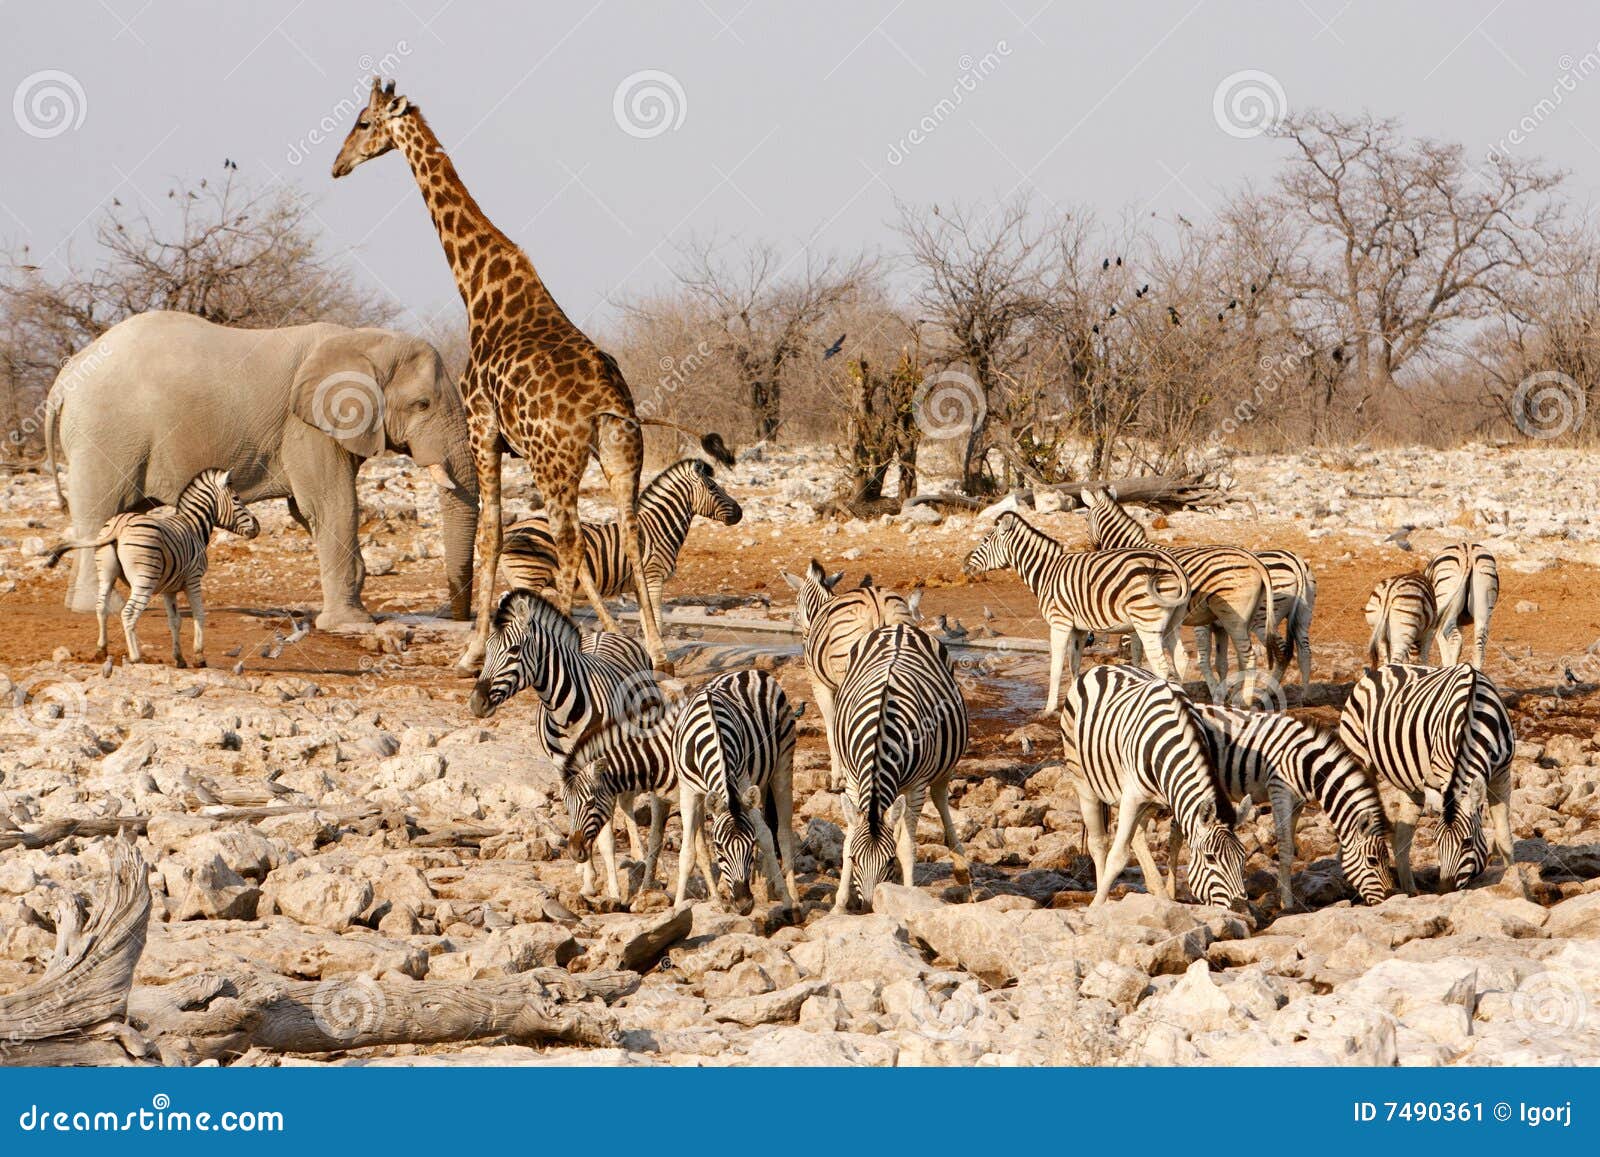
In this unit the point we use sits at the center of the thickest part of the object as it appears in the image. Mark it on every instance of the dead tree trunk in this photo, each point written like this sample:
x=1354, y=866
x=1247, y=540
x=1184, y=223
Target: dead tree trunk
x=76, y=1013
x=1154, y=491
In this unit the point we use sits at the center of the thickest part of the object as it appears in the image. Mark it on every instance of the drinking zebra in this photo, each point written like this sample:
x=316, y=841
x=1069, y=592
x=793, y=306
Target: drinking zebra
x=1443, y=729
x=1114, y=591
x=666, y=508
x=1275, y=759
x=161, y=553
x=902, y=730
x=733, y=754
x=1229, y=589
x=1401, y=611
x=1466, y=584
x=832, y=624
x=1134, y=741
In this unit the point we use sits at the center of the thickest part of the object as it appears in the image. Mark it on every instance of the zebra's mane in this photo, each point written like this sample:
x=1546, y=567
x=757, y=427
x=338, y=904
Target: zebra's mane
x=1033, y=532
x=537, y=613
x=1196, y=733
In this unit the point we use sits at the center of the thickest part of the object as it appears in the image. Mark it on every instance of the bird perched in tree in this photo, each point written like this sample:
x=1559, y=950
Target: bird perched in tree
x=1106, y=264
x=1172, y=316
x=837, y=345
x=228, y=164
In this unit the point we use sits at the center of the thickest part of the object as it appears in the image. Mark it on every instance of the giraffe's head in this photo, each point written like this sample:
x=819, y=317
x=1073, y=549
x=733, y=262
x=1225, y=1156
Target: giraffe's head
x=371, y=135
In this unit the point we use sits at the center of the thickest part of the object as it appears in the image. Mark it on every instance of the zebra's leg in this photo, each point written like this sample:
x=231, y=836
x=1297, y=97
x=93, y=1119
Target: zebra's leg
x=1425, y=645
x=1499, y=803
x=960, y=866
x=627, y=802
x=1302, y=646
x=1147, y=862
x=1060, y=643
x=1407, y=812
x=1130, y=818
x=1202, y=651
x=138, y=600
x=1285, y=817
x=905, y=838
x=1238, y=633
x=1158, y=652
x=782, y=788
x=197, y=610
x=107, y=570
x=608, y=856
x=690, y=803
x=1219, y=651
x=175, y=625
x=592, y=593
x=823, y=695
x=1174, y=846
x=1093, y=815
x=778, y=884
x=1480, y=642
x=1449, y=644
x=841, y=898
x=658, y=831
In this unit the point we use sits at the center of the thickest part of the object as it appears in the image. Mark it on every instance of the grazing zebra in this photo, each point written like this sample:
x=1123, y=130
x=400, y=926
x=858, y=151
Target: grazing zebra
x=1274, y=758
x=1466, y=584
x=162, y=553
x=1114, y=591
x=666, y=507
x=1134, y=741
x=902, y=730
x=832, y=625
x=733, y=754
x=1401, y=611
x=1444, y=729
x=1229, y=589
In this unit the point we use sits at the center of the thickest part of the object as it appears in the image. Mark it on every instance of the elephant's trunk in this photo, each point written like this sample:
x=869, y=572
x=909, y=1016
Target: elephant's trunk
x=458, y=509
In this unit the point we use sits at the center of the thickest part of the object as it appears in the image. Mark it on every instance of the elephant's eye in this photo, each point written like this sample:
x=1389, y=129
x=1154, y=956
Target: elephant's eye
x=423, y=404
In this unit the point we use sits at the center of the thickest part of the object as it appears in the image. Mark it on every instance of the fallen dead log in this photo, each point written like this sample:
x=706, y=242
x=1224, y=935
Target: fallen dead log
x=222, y=1016
x=54, y=831
x=1156, y=491
x=76, y=1012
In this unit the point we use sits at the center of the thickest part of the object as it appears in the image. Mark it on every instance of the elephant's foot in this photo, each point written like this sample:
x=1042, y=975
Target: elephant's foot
x=337, y=618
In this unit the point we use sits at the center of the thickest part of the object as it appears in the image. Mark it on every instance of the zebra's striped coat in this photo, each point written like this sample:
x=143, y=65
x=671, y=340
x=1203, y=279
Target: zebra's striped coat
x=1401, y=611
x=1112, y=591
x=733, y=754
x=902, y=730
x=666, y=508
x=162, y=553
x=1443, y=729
x=832, y=624
x=1134, y=741
x=1466, y=585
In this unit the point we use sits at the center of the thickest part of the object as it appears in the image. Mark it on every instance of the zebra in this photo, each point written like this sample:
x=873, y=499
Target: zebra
x=1142, y=591
x=1401, y=612
x=1443, y=729
x=1294, y=593
x=666, y=508
x=1274, y=758
x=1134, y=740
x=1466, y=584
x=831, y=625
x=1229, y=588
x=161, y=553
x=902, y=730
x=733, y=754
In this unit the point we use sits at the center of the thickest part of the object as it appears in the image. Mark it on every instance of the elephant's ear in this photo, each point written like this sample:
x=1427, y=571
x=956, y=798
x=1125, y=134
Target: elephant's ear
x=337, y=391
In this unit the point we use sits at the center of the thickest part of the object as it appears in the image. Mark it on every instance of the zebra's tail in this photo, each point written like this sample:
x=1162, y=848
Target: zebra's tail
x=769, y=812
x=61, y=548
x=1447, y=616
x=1379, y=628
x=1274, y=652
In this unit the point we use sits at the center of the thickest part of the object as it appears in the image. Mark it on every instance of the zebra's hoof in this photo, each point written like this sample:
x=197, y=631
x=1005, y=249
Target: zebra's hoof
x=199, y=662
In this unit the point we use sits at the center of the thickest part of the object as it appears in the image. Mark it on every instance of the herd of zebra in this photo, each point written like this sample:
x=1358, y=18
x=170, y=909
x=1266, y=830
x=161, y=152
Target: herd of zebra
x=896, y=721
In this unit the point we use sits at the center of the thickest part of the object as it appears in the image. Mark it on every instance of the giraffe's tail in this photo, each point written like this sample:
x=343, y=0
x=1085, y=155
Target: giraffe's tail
x=711, y=441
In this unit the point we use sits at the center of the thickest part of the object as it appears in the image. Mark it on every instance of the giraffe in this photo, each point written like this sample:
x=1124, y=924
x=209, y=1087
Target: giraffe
x=535, y=385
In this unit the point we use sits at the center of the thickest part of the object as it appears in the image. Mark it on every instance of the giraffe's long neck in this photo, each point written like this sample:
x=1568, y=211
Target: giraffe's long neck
x=480, y=255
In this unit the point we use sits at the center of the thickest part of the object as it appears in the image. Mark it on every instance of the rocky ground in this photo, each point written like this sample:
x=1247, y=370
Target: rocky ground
x=323, y=809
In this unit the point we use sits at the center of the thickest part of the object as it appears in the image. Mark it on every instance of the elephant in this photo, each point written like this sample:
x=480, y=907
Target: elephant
x=289, y=413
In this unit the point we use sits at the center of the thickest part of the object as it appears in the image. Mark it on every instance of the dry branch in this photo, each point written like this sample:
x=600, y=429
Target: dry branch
x=75, y=1012
x=1158, y=492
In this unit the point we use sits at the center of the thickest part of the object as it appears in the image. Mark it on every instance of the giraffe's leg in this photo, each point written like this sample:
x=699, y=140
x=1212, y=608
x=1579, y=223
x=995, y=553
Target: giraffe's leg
x=174, y=625
x=197, y=608
x=486, y=456
x=621, y=448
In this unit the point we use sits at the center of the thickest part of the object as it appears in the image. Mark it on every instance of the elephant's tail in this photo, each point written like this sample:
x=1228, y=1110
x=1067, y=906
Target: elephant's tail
x=52, y=416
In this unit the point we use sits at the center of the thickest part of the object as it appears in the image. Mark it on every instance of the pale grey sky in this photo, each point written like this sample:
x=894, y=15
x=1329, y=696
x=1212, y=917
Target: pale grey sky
x=790, y=122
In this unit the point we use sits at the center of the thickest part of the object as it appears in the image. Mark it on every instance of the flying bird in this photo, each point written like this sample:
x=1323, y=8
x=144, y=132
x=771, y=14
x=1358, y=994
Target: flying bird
x=838, y=344
x=1402, y=537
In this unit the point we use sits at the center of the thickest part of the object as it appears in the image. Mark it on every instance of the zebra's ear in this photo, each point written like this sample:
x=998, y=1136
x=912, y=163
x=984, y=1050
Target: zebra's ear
x=914, y=605
x=833, y=580
x=750, y=796
x=851, y=812
x=896, y=812
x=222, y=478
x=795, y=581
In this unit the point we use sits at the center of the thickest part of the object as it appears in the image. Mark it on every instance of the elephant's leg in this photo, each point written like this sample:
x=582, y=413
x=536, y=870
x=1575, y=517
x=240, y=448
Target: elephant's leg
x=95, y=492
x=486, y=457
x=322, y=479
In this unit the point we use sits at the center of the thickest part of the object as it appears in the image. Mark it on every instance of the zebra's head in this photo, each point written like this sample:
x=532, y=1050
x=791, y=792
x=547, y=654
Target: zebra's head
x=812, y=593
x=707, y=499
x=994, y=552
x=510, y=664
x=589, y=806
x=733, y=844
x=1216, y=867
x=1463, y=848
x=228, y=512
x=1366, y=860
x=870, y=848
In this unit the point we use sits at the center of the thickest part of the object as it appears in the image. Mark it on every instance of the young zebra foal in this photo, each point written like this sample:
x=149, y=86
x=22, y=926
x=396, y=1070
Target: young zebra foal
x=1401, y=612
x=1134, y=741
x=832, y=624
x=162, y=553
x=733, y=754
x=1274, y=758
x=1445, y=729
x=1144, y=592
x=666, y=508
x=1466, y=584
x=902, y=729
